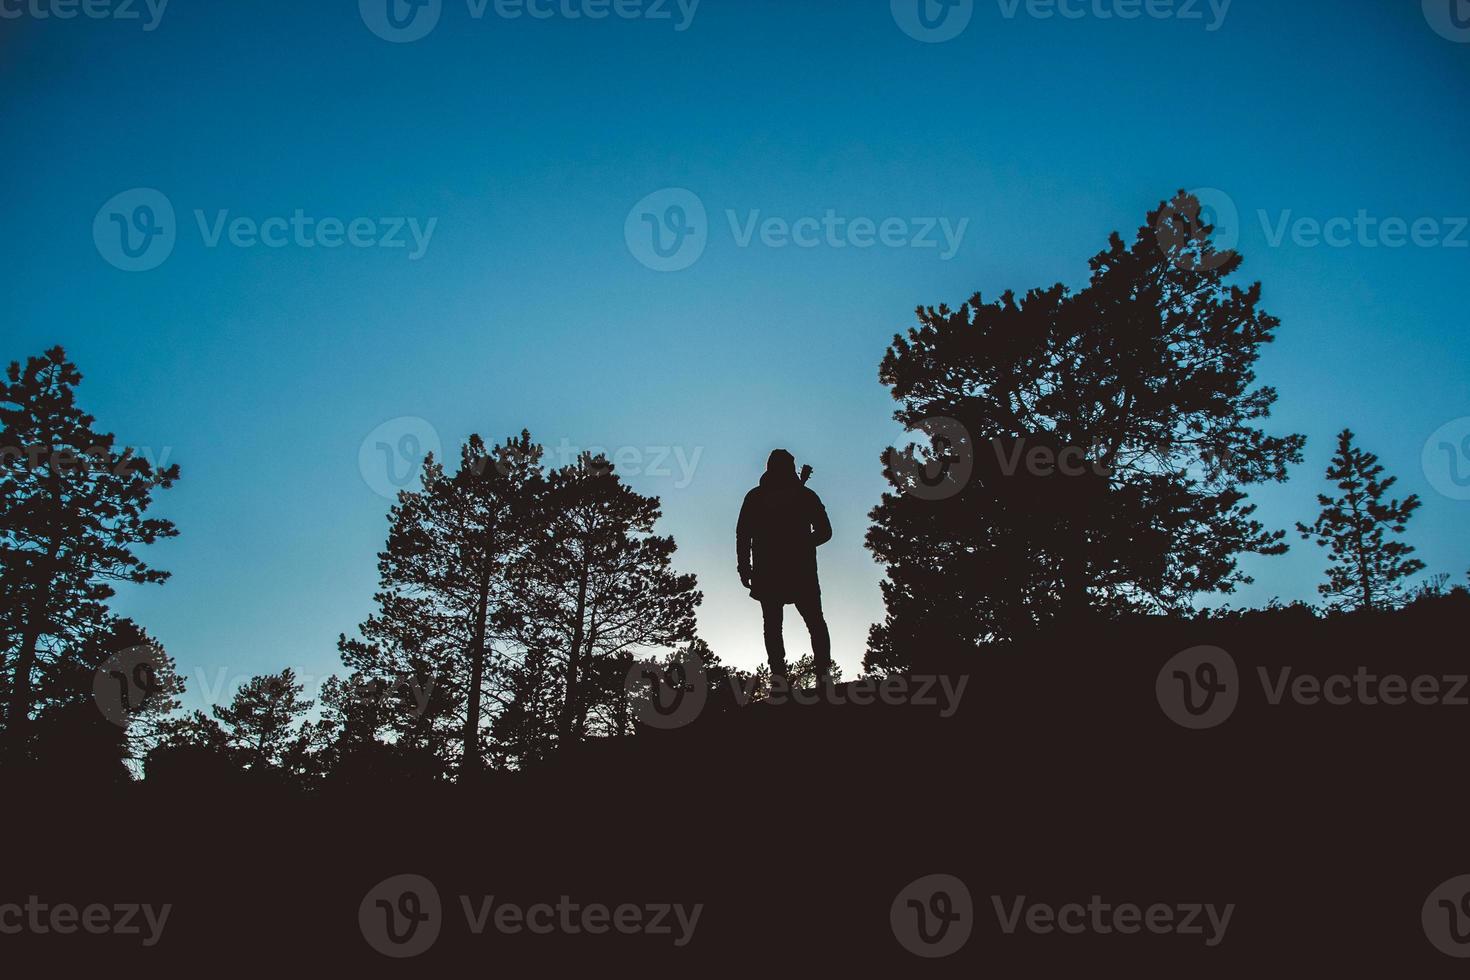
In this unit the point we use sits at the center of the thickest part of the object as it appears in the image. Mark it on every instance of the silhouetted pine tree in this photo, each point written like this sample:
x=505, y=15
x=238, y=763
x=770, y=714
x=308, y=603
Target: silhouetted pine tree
x=1147, y=376
x=444, y=595
x=71, y=512
x=1367, y=570
x=524, y=734
x=261, y=722
x=600, y=586
x=144, y=690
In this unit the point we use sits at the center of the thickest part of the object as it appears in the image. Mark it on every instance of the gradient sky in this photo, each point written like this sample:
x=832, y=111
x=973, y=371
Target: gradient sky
x=263, y=370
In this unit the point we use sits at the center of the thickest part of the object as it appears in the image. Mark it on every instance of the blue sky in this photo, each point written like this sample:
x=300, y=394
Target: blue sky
x=527, y=142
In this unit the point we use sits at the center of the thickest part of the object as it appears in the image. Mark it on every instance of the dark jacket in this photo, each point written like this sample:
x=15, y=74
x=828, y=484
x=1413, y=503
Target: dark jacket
x=781, y=524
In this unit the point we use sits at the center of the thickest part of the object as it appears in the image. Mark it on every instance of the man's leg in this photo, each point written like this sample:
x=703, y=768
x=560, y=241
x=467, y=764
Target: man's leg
x=772, y=613
x=816, y=624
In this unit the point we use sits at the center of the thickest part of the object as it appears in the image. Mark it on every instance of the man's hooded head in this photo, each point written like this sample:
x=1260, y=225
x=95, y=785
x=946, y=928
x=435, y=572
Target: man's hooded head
x=780, y=467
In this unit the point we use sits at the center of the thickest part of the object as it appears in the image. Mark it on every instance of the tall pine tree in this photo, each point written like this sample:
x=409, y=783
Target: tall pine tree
x=1367, y=569
x=600, y=587
x=445, y=598
x=72, y=511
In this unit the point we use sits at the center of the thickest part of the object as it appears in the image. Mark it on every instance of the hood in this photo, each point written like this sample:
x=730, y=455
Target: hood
x=780, y=470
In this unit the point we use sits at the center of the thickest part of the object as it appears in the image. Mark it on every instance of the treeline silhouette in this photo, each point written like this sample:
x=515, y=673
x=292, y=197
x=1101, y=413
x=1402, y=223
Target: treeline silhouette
x=1088, y=460
x=1089, y=455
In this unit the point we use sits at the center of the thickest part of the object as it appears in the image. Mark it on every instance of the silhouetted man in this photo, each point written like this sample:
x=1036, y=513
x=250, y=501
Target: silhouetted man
x=781, y=525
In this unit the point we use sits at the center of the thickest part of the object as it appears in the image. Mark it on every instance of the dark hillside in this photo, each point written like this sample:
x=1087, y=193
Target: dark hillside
x=1058, y=778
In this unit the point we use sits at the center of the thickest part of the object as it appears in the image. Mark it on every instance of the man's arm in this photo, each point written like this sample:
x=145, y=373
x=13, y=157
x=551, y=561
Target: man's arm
x=743, y=542
x=821, y=526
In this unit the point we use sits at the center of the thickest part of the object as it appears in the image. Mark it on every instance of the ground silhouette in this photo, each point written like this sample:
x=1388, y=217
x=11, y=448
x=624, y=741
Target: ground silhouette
x=1058, y=776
